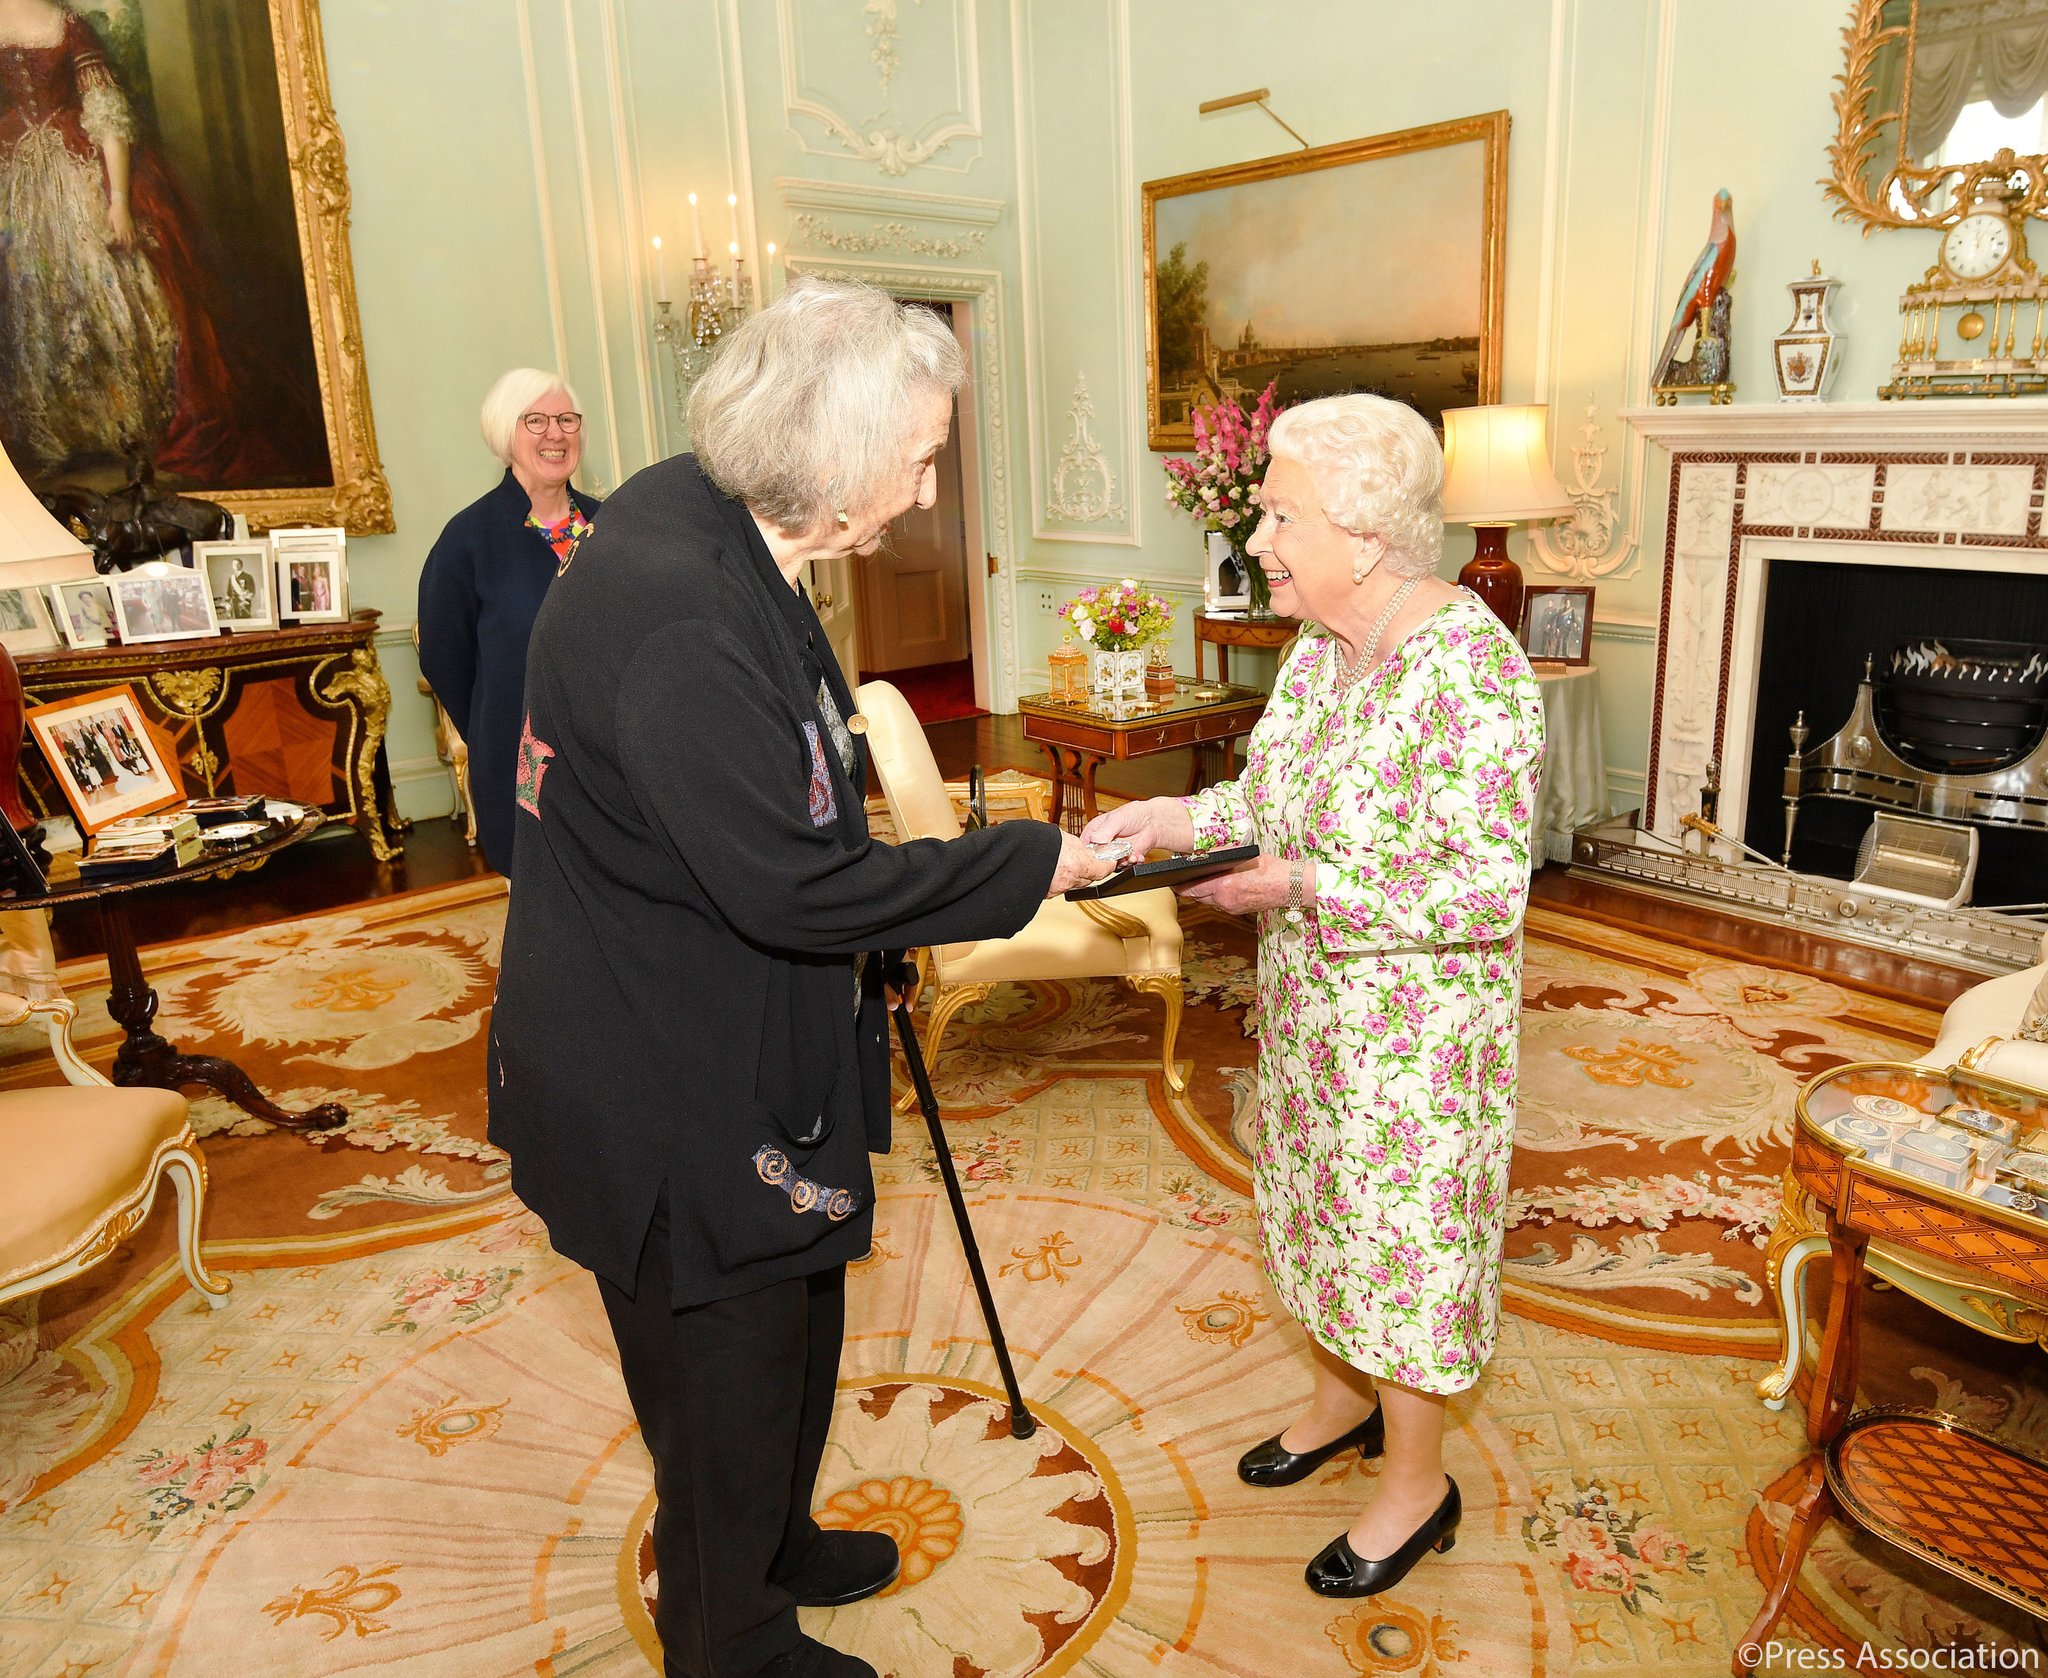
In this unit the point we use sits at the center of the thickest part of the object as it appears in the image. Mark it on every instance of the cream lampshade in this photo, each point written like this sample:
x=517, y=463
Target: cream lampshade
x=34, y=549
x=1496, y=473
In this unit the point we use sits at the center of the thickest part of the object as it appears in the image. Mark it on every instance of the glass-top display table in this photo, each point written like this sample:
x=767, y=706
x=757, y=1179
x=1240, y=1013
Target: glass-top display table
x=1080, y=738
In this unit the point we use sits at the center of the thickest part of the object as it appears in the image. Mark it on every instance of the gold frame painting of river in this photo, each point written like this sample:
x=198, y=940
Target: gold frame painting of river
x=1372, y=265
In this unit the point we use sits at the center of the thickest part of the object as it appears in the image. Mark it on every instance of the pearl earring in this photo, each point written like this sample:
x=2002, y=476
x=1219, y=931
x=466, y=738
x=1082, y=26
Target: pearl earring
x=1358, y=570
x=844, y=522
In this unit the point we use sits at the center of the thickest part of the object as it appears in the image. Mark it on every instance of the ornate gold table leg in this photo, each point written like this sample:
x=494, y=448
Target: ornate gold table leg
x=360, y=685
x=1796, y=1241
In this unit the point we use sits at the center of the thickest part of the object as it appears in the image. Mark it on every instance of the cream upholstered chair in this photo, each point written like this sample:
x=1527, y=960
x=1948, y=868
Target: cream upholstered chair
x=80, y=1165
x=1134, y=938
x=1980, y=1032
x=453, y=750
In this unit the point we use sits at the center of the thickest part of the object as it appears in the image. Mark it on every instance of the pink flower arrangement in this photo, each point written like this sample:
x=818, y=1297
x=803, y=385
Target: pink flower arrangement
x=1118, y=616
x=1218, y=483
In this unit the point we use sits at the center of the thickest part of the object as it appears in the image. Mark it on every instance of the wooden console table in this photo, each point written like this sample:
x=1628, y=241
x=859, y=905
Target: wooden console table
x=299, y=713
x=1206, y=716
x=1920, y=1480
x=1223, y=633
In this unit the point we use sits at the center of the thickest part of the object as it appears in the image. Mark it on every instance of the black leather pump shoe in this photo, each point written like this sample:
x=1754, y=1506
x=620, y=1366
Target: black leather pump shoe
x=1270, y=1463
x=1342, y=1571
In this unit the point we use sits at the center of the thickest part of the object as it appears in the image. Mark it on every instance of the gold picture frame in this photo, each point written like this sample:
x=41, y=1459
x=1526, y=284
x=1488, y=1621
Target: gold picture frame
x=1428, y=235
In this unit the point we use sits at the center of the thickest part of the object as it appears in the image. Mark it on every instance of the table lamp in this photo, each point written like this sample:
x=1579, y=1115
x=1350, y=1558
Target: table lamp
x=34, y=549
x=1496, y=473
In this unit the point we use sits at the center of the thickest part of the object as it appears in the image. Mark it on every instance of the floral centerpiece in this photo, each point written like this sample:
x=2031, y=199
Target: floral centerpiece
x=1219, y=482
x=1117, y=620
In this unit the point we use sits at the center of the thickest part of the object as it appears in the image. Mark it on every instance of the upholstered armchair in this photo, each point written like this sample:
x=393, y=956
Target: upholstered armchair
x=1995, y=1028
x=1134, y=938
x=452, y=750
x=80, y=1164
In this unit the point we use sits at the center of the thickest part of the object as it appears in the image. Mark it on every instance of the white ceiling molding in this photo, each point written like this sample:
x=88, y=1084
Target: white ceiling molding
x=983, y=288
x=841, y=198
x=822, y=93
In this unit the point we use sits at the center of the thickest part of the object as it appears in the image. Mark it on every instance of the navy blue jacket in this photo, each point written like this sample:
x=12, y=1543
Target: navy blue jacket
x=480, y=591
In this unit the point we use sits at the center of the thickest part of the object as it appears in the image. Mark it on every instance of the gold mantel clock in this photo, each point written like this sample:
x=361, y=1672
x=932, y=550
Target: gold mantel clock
x=1977, y=323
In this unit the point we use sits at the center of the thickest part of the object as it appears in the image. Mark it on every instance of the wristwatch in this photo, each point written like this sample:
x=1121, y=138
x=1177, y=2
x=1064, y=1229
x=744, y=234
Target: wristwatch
x=1294, y=902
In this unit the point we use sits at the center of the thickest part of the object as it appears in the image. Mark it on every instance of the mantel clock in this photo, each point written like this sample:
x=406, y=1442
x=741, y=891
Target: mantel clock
x=1976, y=324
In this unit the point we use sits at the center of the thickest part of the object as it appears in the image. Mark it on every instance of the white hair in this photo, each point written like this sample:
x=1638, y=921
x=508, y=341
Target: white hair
x=1378, y=471
x=514, y=394
x=806, y=409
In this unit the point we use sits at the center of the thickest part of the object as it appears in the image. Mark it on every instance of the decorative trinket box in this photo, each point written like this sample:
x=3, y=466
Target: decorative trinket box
x=1934, y=1156
x=1872, y=1136
x=1996, y=1126
x=2028, y=1170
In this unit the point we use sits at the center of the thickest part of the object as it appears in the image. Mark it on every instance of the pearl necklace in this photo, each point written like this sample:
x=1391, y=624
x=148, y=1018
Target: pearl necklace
x=1348, y=675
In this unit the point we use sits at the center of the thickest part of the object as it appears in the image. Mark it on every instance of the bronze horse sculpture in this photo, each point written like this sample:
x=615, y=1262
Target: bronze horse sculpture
x=138, y=521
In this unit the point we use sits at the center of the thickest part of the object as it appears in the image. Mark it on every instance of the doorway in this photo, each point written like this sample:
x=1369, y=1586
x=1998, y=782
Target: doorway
x=914, y=596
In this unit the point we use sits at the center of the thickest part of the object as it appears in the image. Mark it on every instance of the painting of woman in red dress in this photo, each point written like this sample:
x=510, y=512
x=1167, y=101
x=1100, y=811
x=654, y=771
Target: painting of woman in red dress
x=111, y=313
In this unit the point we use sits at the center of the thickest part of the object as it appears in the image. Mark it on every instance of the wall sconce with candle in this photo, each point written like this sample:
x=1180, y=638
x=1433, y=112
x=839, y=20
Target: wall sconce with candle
x=1497, y=472
x=719, y=300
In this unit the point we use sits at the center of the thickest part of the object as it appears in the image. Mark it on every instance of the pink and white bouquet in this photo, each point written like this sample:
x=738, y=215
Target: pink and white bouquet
x=1118, y=616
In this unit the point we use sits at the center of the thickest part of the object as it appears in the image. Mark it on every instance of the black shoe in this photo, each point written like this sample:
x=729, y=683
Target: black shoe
x=1270, y=1463
x=812, y=1659
x=843, y=1567
x=1342, y=1571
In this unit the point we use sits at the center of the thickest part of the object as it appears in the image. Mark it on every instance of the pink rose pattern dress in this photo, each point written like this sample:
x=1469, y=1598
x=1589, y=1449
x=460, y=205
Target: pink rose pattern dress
x=1387, y=1060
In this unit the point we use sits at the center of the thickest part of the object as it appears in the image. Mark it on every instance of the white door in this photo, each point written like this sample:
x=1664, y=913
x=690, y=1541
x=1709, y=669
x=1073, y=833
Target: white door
x=831, y=588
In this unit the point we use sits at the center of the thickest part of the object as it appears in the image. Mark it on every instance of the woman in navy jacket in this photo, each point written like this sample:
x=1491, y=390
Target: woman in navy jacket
x=484, y=581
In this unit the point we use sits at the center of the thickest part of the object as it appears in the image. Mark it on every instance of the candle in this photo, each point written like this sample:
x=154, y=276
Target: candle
x=696, y=227
x=732, y=212
x=660, y=272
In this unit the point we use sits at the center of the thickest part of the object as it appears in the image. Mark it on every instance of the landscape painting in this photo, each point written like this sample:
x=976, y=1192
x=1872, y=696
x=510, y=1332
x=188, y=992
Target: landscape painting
x=1374, y=265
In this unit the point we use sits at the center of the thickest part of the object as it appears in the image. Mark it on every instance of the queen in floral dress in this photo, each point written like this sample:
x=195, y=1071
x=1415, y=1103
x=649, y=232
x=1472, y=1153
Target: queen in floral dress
x=1390, y=787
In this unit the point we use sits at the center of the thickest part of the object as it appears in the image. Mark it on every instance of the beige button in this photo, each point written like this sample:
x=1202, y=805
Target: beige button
x=856, y=724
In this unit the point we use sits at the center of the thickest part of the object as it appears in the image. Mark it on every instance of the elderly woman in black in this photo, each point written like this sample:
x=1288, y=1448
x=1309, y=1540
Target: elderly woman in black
x=486, y=576
x=689, y=1060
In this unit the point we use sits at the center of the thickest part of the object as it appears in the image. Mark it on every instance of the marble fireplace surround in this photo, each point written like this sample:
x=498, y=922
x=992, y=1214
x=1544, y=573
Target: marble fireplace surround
x=1956, y=484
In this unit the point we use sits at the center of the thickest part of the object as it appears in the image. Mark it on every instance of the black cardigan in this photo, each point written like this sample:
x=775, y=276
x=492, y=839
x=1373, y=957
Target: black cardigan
x=480, y=589
x=692, y=879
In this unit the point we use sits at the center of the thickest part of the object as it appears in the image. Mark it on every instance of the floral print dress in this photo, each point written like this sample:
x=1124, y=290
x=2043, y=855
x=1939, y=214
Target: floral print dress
x=1387, y=1060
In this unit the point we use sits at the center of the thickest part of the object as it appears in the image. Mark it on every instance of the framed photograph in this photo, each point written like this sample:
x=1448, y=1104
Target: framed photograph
x=1372, y=265
x=1225, y=587
x=240, y=581
x=237, y=190
x=312, y=584
x=167, y=605
x=25, y=622
x=84, y=612
x=1557, y=623
x=107, y=759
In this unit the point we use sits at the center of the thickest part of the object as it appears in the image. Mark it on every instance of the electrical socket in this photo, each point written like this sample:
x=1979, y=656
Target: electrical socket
x=1048, y=601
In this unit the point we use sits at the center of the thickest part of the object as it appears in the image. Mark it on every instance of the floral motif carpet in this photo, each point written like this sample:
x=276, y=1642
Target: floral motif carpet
x=403, y=1443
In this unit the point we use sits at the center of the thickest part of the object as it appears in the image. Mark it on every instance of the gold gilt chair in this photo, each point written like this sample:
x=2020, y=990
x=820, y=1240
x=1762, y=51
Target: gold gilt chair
x=1135, y=938
x=453, y=750
x=83, y=1161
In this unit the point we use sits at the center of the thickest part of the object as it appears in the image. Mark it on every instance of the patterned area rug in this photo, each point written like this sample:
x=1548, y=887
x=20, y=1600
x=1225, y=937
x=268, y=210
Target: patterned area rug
x=404, y=1444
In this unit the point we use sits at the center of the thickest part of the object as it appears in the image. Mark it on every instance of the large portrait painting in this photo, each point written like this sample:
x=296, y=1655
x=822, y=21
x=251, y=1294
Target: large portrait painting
x=176, y=296
x=1374, y=265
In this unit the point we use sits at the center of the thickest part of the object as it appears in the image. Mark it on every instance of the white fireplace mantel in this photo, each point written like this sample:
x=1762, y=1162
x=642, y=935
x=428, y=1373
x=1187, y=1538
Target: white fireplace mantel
x=1957, y=483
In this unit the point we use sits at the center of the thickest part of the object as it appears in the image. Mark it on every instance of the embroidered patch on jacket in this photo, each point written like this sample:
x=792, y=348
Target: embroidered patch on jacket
x=534, y=753
x=804, y=1195
x=824, y=807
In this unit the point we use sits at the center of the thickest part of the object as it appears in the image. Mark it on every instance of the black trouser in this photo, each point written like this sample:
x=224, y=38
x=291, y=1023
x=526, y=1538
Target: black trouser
x=734, y=1399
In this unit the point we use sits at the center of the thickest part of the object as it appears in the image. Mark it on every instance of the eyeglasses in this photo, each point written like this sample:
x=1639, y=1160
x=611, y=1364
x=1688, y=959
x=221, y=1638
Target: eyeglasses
x=538, y=423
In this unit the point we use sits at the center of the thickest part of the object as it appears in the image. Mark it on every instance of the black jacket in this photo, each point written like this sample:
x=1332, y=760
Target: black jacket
x=482, y=584
x=692, y=879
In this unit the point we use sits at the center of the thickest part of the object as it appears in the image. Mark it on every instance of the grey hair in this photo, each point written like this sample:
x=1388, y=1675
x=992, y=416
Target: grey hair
x=805, y=410
x=1378, y=471
x=513, y=394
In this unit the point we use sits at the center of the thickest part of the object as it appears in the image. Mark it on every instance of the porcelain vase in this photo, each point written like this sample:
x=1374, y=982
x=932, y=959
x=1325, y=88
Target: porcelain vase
x=1804, y=353
x=1117, y=674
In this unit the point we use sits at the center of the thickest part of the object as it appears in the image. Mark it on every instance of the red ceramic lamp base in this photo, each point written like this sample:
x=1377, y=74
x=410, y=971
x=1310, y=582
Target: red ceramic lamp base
x=1494, y=577
x=12, y=707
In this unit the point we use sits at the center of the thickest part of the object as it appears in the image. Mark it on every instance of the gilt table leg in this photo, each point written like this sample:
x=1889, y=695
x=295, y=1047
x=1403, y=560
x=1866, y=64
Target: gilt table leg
x=149, y=1059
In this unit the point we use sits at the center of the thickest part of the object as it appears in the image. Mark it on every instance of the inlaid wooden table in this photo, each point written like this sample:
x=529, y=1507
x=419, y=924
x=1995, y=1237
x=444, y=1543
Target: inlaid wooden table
x=1918, y=1479
x=1223, y=632
x=1079, y=739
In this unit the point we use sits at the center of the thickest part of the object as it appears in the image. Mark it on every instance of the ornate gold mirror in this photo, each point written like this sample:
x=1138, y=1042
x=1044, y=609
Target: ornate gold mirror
x=1936, y=99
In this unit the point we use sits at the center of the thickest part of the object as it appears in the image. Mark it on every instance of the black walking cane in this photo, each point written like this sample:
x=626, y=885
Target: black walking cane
x=1022, y=1423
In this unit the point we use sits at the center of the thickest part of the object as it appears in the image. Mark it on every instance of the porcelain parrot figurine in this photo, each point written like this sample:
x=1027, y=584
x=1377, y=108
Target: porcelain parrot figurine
x=1703, y=285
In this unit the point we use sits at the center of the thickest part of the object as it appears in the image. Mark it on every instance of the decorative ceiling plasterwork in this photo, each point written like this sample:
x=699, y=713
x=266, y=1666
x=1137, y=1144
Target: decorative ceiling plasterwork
x=983, y=289
x=1083, y=486
x=827, y=96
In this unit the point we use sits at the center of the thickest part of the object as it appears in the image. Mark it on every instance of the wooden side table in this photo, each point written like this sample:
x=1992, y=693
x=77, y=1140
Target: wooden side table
x=1959, y=1501
x=1079, y=739
x=297, y=713
x=1223, y=633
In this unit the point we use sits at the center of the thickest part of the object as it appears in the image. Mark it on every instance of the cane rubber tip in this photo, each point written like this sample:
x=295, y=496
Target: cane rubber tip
x=1023, y=1424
